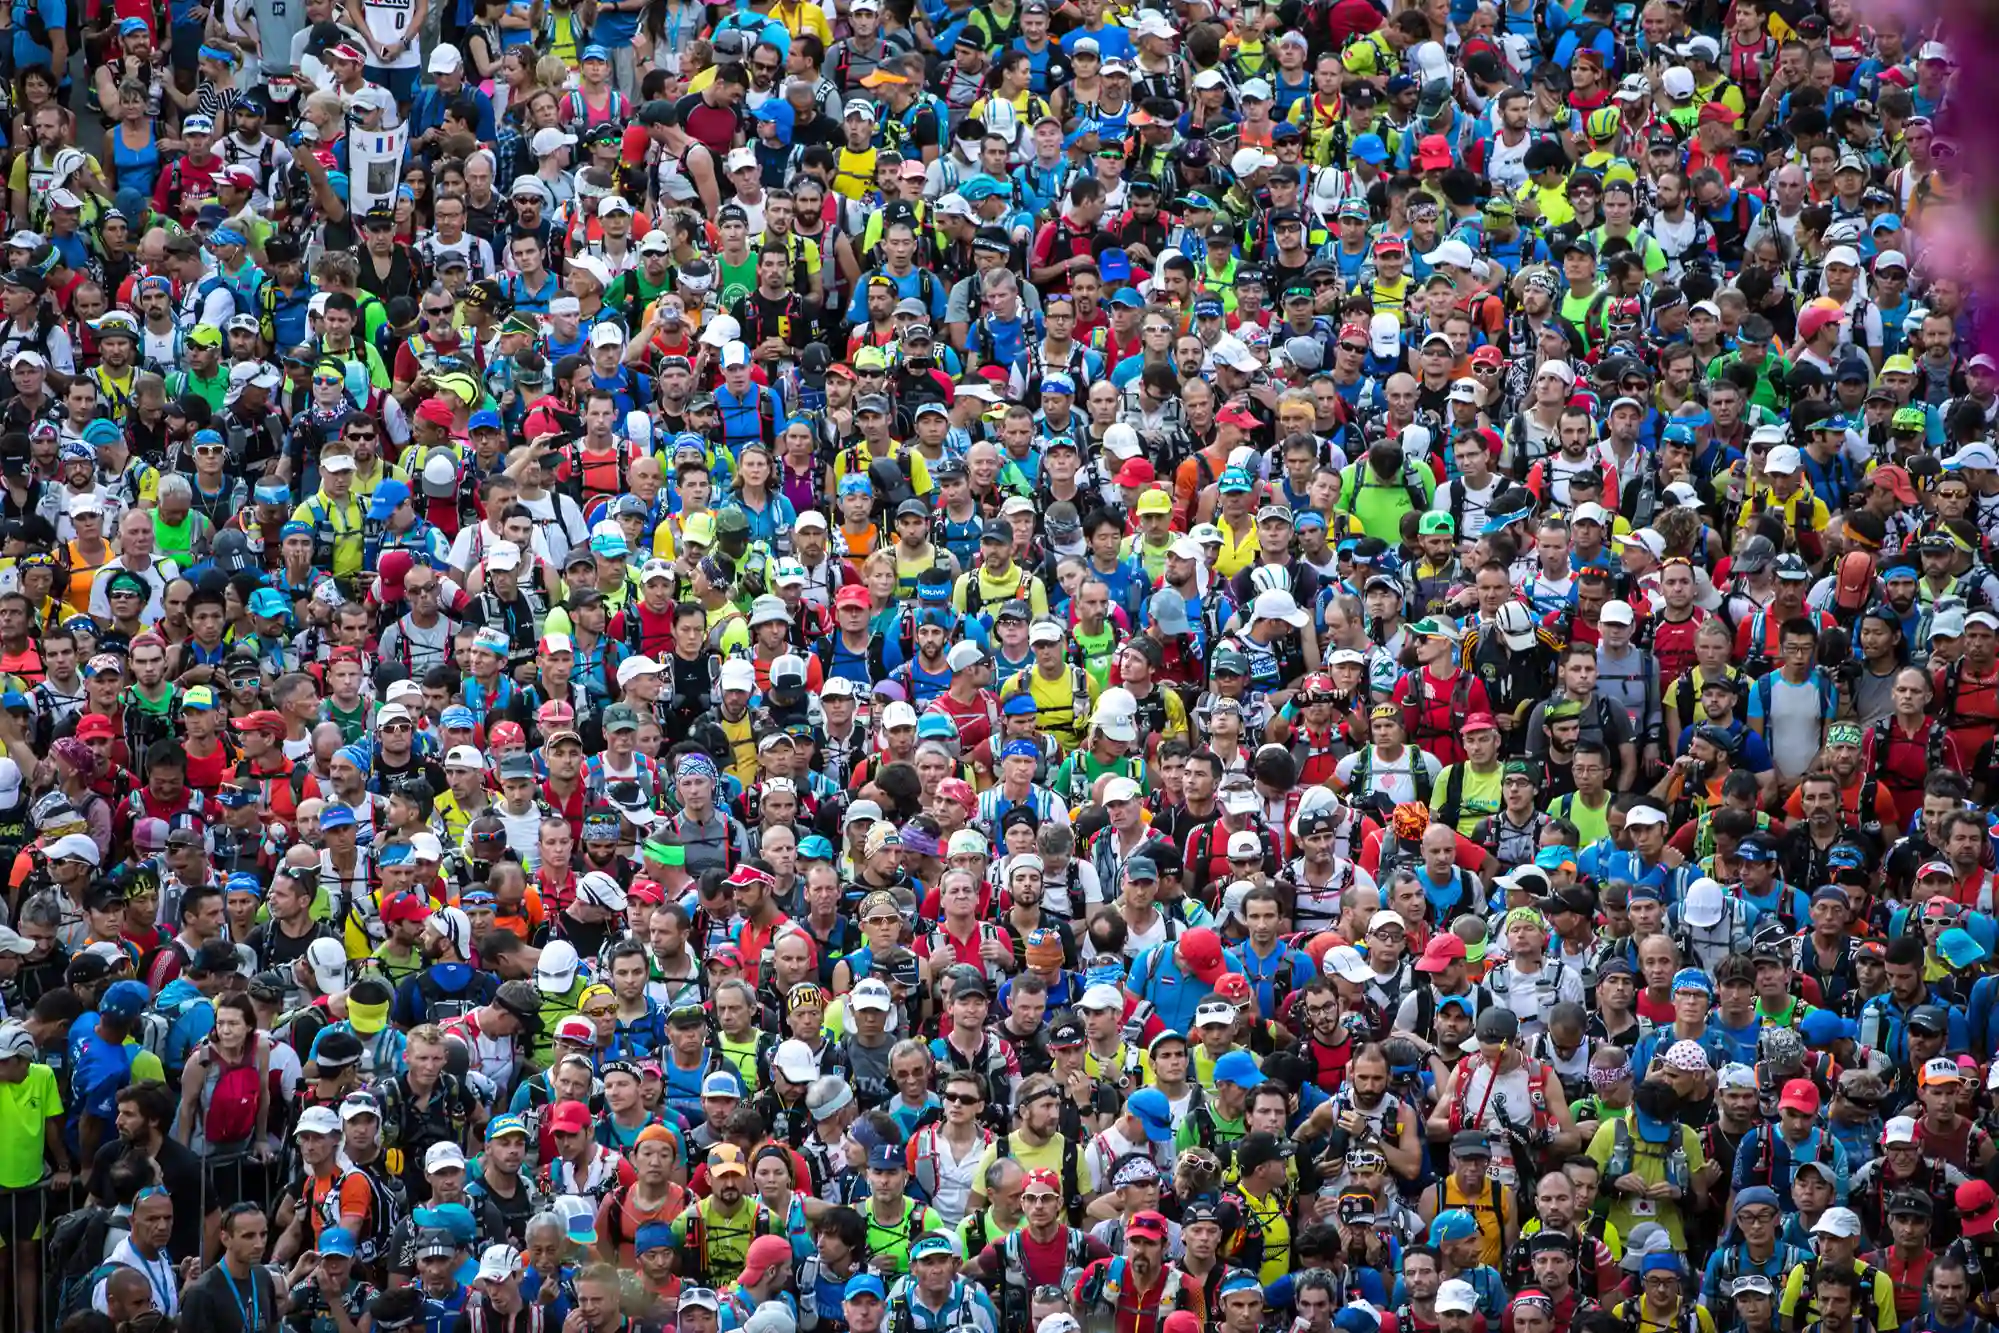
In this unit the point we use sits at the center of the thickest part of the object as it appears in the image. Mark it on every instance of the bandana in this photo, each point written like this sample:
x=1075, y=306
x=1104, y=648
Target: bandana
x=1686, y=1056
x=359, y=755
x=1411, y=818
x=697, y=766
x=1603, y=1080
x=76, y=754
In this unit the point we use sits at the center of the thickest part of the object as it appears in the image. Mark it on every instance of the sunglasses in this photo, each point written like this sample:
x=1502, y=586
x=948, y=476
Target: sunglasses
x=328, y=379
x=601, y=1011
x=963, y=1098
x=1358, y=349
x=362, y=437
x=444, y=311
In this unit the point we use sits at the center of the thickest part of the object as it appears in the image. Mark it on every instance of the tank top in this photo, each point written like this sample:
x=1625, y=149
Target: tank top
x=136, y=168
x=1485, y=1208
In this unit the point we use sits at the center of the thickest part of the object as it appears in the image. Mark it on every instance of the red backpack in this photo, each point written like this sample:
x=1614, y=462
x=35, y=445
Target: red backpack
x=231, y=1117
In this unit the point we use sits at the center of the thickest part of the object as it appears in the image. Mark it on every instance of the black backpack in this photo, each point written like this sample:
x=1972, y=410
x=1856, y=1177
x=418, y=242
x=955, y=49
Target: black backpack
x=73, y=1258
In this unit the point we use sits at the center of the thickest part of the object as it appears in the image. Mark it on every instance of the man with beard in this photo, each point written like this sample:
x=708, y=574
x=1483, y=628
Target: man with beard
x=596, y=914
x=1903, y=1167
x=449, y=986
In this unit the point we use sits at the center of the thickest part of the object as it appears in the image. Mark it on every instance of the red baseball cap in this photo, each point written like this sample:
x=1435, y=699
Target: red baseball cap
x=1800, y=1094
x=98, y=727
x=569, y=1118
x=1233, y=415
x=264, y=719
x=405, y=907
x=1896, y=479
x=1148, y=1224
x=1488, y=355
x=1201, y=955
x=1815, y=317
x=434, y=410
x=1233, y=987
x=1391, y=243
x=1978, y=1208
x=1136, y=472
x=1479, y=722
x=853, y=594
x=1433, y=152
x=1443, y=949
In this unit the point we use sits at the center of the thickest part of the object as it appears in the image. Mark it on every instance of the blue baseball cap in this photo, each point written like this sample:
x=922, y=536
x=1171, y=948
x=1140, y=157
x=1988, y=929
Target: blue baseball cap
x=271, y=603
x=722, y=1083
x=653, y=1236
x=502, y=1125
x=1822, y=1027
x=337, y=1241
x=887, y=1157
x=1369, y=148
x=1114, y=265
x=1154, y=1112
x=1959, y=948
x=1239, y=1068
x=458, y=715
x=485, y=419
x=335, y=816
x=125, y=999
x=595, y=53
x=1125, y=296
x=1453, y=1224
x=387, y=496
x=395, y=854
x=865, y=1284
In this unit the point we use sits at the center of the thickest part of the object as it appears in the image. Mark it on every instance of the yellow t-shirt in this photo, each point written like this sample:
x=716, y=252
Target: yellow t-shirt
x=994, y=591
x=1803, y=512
x=1239, y=551
x=27, y=1106
x=1048, y=1157
x=1055, y=702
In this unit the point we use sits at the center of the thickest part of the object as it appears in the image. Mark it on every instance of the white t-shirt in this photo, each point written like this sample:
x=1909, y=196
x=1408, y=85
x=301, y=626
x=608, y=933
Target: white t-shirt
x=1396, y=778
x=389, y=22
x=1793, y=730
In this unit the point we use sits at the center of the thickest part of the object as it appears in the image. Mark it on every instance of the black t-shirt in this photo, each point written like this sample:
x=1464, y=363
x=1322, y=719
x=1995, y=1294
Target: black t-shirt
x=275, y=949
x=513, y=1213
x=211, y=1306
x=180, y=1170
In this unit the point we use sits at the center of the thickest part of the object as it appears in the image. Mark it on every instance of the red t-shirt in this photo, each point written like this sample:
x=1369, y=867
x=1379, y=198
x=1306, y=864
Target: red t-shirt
x=205, y=772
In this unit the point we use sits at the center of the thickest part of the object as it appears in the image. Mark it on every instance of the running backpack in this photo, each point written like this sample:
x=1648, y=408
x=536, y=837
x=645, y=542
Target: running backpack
x=231, y=1117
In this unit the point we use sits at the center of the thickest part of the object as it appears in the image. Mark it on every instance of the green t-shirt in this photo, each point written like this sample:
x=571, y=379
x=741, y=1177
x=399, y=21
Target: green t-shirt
x=1098, y=649
x=738, y=280
x=1576, y=310
x=353, y=723
x=213, y=389
x=1378, y=503
x=28, y=1106
x=1479, y=796
x=1592, y=825
x=1226, y=1131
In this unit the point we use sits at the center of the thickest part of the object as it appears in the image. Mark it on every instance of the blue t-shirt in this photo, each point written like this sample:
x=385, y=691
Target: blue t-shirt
x=55, y=14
